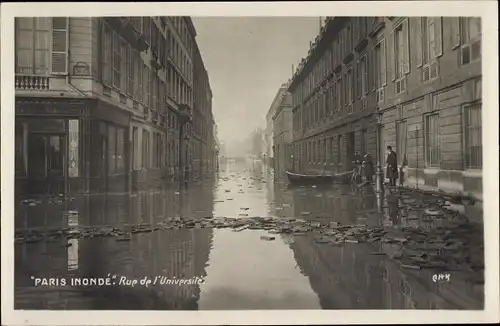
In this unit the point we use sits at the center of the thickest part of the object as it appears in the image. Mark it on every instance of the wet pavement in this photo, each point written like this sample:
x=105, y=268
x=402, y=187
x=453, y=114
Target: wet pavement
x=246, y=241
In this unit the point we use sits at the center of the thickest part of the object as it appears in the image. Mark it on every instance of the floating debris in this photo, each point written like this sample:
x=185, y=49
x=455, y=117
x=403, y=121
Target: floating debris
x=267, y=238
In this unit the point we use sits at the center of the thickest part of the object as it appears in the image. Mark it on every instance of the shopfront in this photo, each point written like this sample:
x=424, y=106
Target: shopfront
x=64, y=147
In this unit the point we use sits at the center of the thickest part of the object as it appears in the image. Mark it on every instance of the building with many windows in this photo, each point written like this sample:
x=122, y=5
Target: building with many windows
x=269, y=132
x=103, y=103
x=335, y=91
x=413, y=83
x=431, y=112
x=282, y=134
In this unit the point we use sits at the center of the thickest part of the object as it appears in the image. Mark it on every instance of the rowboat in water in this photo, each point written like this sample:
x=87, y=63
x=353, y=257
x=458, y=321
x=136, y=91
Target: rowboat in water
x=303, y=179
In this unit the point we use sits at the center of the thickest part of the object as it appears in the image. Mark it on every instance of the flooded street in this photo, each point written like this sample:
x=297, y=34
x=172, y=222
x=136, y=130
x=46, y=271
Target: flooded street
x=240, y=270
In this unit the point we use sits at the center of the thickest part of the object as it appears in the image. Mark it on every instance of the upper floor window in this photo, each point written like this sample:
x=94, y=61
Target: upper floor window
x=33, y=45
x=399, y=49
x=470, y=39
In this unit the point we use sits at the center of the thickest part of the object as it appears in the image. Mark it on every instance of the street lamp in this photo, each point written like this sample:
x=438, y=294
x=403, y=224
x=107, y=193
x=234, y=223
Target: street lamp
x=379, y=171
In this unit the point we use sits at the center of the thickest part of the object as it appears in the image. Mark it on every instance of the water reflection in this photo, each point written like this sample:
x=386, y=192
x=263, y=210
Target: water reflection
x=181, y=254
x=241, y=270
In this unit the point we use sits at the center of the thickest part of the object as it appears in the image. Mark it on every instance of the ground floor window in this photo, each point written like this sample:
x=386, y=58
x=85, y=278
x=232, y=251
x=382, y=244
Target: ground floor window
x=401, y=140
x=473, y=137
x=432, y=141
x=339, y=149
x=116, y=150
x=135, y=144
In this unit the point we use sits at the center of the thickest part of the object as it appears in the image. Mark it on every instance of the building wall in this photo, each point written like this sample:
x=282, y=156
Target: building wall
x=282, y=132
x=453, y=86
x=416, y=67
x=334, y=95
x=149, y=86
x=269, y=132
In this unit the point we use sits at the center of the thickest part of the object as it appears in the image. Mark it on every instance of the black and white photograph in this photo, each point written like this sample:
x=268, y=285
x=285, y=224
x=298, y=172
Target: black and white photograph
x=230, y=159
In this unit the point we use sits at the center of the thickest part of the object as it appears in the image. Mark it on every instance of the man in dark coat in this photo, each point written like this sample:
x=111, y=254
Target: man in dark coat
x=392, y=166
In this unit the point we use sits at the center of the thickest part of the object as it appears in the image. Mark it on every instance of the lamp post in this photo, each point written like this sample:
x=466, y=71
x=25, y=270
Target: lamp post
x=379, y=171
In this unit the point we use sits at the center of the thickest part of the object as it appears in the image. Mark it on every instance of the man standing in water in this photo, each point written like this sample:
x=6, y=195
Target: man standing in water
x=392, y=166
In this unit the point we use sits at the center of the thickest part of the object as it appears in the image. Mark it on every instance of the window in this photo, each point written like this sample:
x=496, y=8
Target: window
x=116, y=60
x=380, y=67
x=32, y=45
x=135, y=144
x=432, y=141
x=350, y=86
x=123, y=66
x=362, y=77
x=136, y=82
x=339, y=149
x=145, y=85
x=107, y=55
x=473, y=138
x=111, y=150
x=364, y=141
x=429, y=47
x=131, y=66
x=120, y=150
x=470, y=39
x=399, y=51
x=155, y=150
x=145, y=149
x=401, y=140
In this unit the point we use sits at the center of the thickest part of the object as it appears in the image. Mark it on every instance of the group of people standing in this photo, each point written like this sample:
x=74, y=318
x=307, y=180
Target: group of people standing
x=364, y=166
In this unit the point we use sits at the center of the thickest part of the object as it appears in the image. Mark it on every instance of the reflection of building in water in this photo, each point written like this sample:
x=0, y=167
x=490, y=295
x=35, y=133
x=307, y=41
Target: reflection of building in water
x=72, y=243
x=182, y=254
x=348, y=277
x=284, y=202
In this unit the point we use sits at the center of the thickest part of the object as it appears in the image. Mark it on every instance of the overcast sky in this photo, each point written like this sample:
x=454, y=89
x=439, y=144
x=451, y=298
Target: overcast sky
x=247, y=59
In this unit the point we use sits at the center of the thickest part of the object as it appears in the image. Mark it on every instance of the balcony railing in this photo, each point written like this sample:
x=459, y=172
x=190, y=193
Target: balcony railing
x=32, y=82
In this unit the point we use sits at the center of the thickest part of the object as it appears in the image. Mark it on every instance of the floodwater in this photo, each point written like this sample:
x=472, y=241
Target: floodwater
x=239, y=270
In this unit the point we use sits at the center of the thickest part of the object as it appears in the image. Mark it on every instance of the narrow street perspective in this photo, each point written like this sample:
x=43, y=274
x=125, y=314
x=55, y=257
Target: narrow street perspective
x=241, y=163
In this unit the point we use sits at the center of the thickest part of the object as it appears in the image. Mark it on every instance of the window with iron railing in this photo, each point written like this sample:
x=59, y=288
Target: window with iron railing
x=473, y=137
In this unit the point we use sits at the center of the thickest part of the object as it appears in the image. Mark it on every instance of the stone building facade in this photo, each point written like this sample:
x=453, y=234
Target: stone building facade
x=413, y=83
x=269, y=132
x=282, y=135
x=101, y=103
x=334, y=95
x=431, y=114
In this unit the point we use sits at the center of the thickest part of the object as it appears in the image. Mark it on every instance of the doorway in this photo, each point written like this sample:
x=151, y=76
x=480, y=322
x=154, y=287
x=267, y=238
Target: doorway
x=46, y=163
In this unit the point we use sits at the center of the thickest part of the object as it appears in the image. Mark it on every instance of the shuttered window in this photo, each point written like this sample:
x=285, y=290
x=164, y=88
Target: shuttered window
x=32, y=45
x=473, y=137
x=59, y=55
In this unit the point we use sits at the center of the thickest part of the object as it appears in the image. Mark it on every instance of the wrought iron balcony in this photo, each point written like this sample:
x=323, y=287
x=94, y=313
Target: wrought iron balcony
x=32, y=82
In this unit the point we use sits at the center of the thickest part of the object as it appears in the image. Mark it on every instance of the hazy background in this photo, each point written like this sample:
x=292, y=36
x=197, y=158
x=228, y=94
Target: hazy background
x=247, y=59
